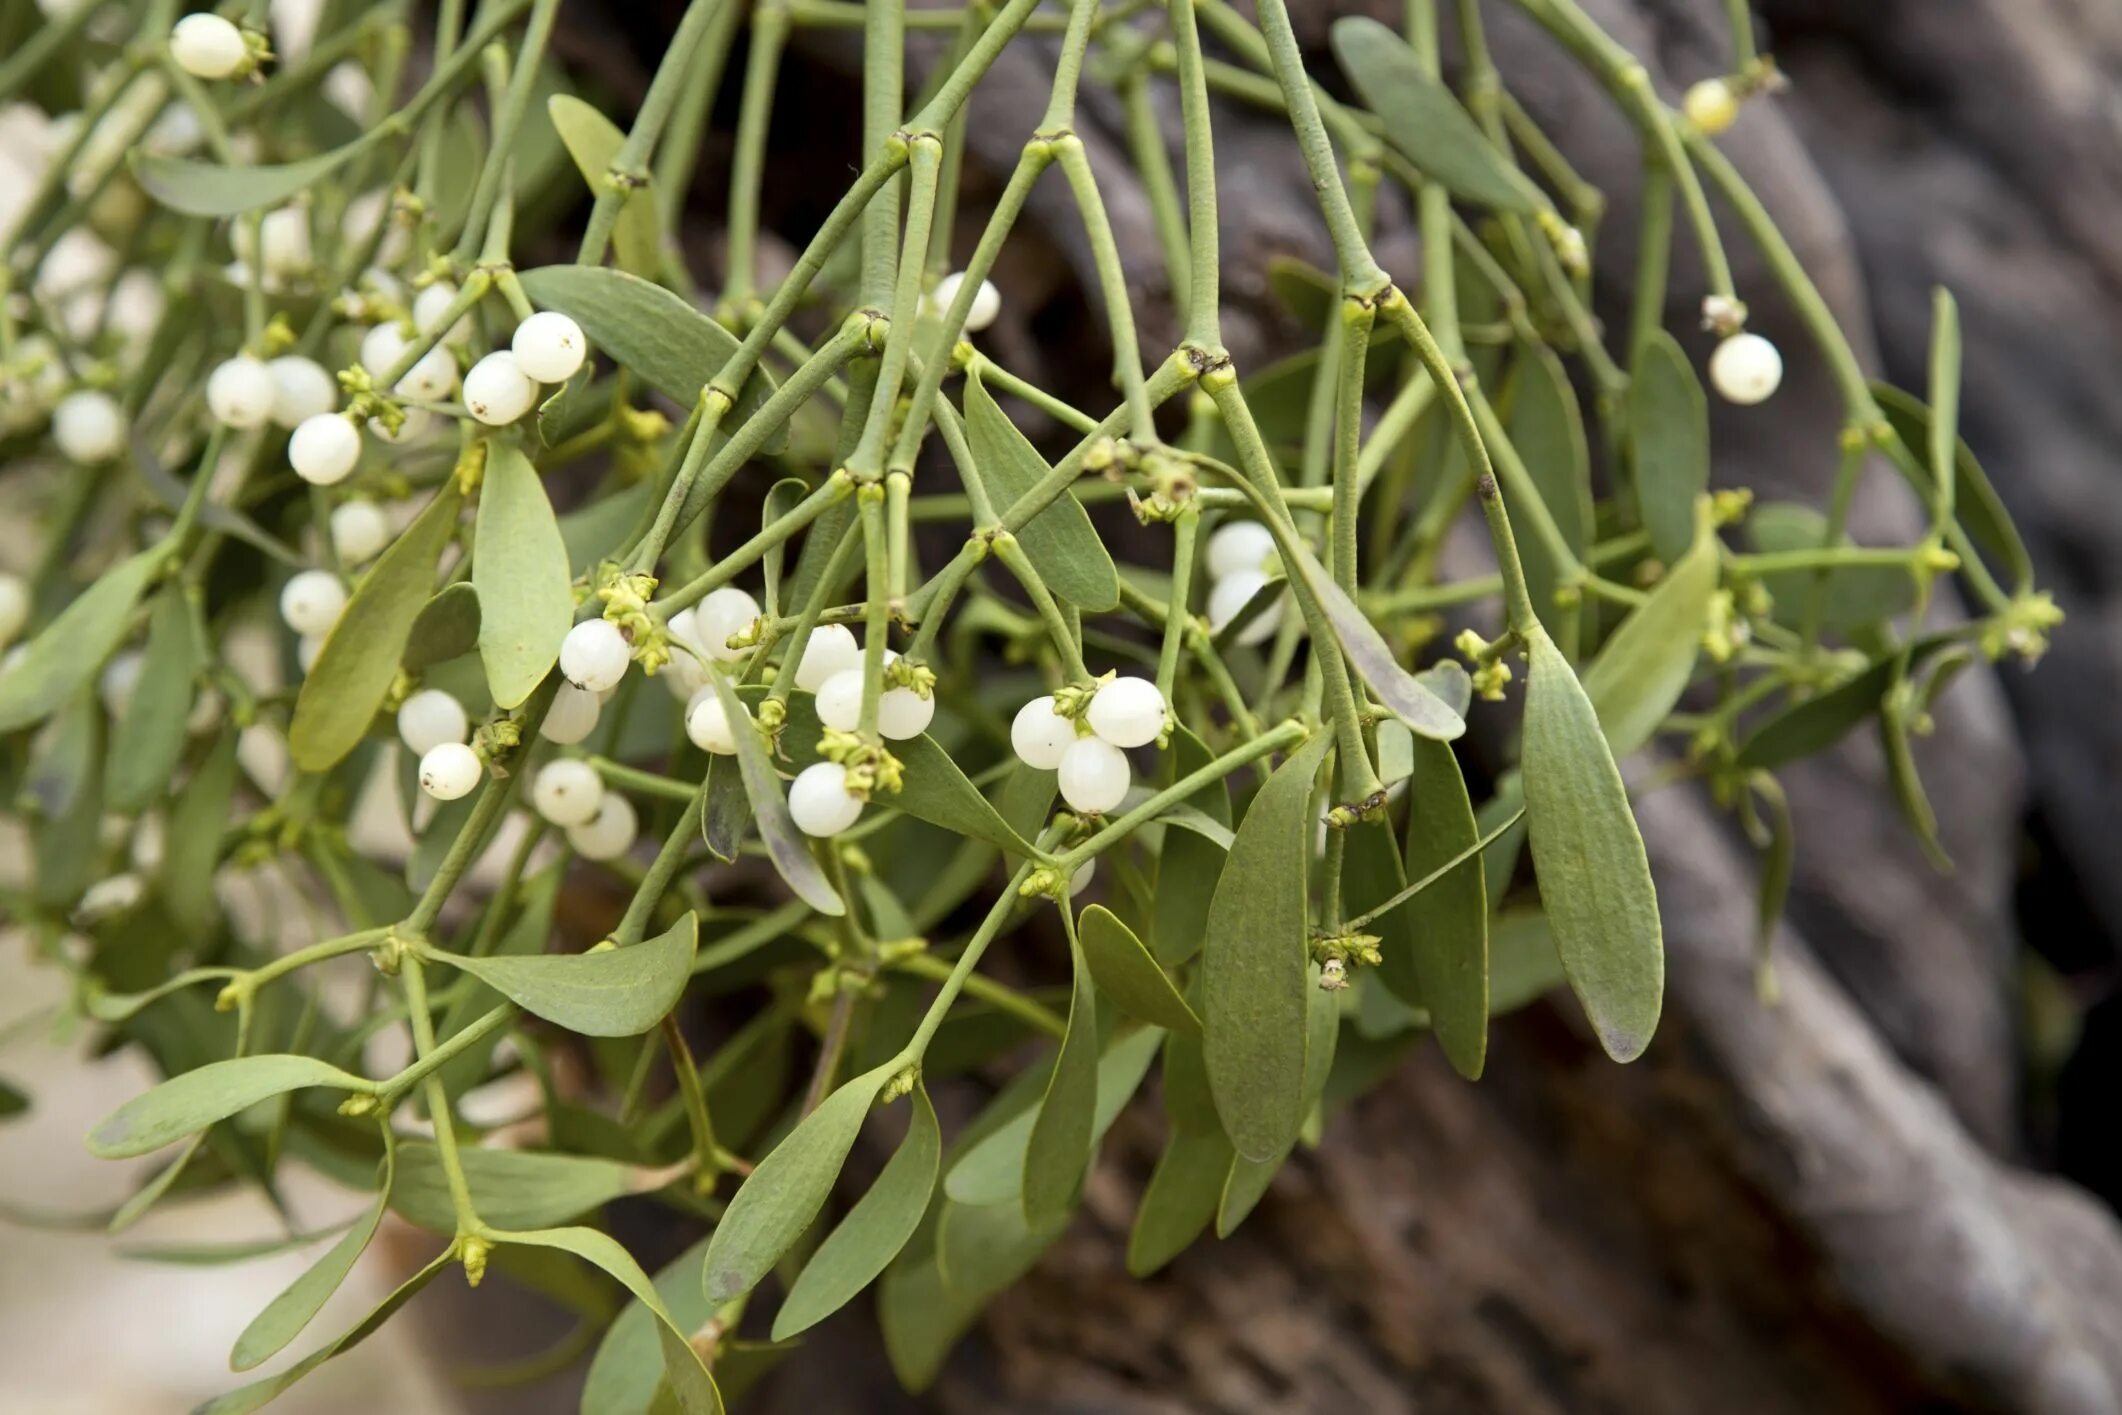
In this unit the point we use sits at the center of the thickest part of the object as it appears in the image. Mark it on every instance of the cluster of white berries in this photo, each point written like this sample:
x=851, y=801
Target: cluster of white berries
x=700, y=635
x=1238, y=556
x=549, y=347
x=600, y=823
x=832, y=669
x=1090, y=766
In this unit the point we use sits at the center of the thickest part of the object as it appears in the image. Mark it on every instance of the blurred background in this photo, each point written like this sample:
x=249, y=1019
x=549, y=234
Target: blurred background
x=1896, y=1189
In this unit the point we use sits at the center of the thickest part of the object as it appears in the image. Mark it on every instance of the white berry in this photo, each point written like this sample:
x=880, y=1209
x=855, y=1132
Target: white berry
x=360, y=530
x=240, y=392
x=903, y=713
x=986, y=306
x=725, y=612
x=1239, y=545
x=1745, y=369
x=431, y=304
x=1040, y=735
x=1093, y=775
x=1711, y=106
x=609, y=833
x=1080, y=880
x=307, y=648
x=283, y=241
x=496, y=391
x=594, y=655
x=566, y=792
x=685, y=676
x=302, y=388
x=1127, y=712
x=549, y=346
x=381, y=348
x=430, y=378
x=819, y=802
x=430, y=718
x=840, y=700
x=108, y=897
x=207, y=46
x=708, y=725
x=830, y=648
x=312, y=601
x=88, y=426
x=324, y=449
x=572, y=717
x=1231, y=594
x=450, y=771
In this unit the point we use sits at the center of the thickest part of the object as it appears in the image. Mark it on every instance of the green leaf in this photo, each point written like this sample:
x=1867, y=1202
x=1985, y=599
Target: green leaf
x=1645, y=665
x=1523, y=964
x=1812, y=726
x=991, y=1172
x=1126, y=973
x=148, y=742
x=784, y=844
x=593, y=140
x=1547, y=428
x=1852, y=597
x=1186, y=1187
x=1060, y=541
x=1979, y=509
x=1668, y=431
x=1410, y=697
x=298, y=1304
x=645, y=328
x=1057, y=1151
x=1253, y=966
x=220, y=1254
x=1188, y=865
x=211, y=189
x=781, y=498
x=1247, y=1182
x=446, y=627
x=625, y=1372
x=354, y=671
x=682, y=1366
x=196, y=1099
x=873, y=1232
x=1594, y=877
x=1424, y=122
x=1449, y=920
x=74, y=645
x=519, y=568
x=510, y=1188
x=780, y=1198
x=606, y=992
x=192, y=839
x=935, y=790
x=12, y=1100
x=259, y=1394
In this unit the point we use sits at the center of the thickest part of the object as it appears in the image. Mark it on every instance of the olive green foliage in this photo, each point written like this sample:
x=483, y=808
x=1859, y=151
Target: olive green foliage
x=740, y=1015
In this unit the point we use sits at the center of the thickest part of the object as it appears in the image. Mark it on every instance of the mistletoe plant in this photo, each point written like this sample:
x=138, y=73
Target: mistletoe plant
x=267, y=347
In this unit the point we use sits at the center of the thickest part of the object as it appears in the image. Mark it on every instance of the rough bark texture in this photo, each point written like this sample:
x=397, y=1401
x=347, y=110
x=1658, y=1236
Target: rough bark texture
x=1824, y=1205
